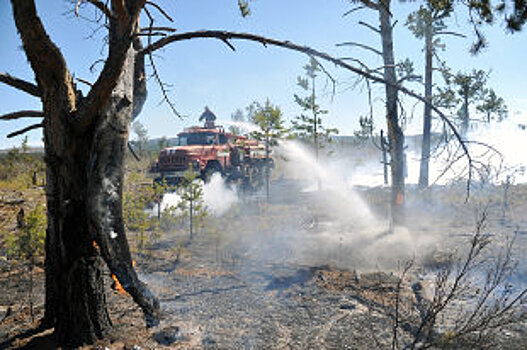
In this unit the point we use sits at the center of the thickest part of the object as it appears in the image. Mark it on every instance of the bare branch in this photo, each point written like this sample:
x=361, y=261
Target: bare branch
x=369, y=26
x=92, y=67
x=366, y=47
x=122, y=29
x=133, y=152
x=160, y=9
x=451, y=33
x=151, y=34
x=80, y=80
x=162, y=87
x=22, y=114
x=154, y=69
x=159, y=29
x=329, y=76
x=44, y=56
x=101, y=6
x=23, y=131
x=353, y=10
x=229, y=44
x=104, y=9
x=20, y=84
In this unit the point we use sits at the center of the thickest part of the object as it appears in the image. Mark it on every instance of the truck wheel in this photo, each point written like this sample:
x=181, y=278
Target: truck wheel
x=211, y=169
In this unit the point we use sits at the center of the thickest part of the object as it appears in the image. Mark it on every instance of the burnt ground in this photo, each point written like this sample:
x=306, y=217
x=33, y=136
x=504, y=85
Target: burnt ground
x=287, y=275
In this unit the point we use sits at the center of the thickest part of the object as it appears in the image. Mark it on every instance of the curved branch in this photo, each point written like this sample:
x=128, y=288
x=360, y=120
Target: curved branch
x=101, y=6
x=122, y=29
x=22, y=114
x=451, y=33
x=224, y=35
x=159, y=29
x=353, y=10
x=104, y=9
x=362, y=46
x=23, y=131
x=44, y=56
x=20, y=84
x=369, y=26
x=160, y=9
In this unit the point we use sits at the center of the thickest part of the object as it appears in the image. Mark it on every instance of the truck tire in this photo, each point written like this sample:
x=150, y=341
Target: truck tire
x=211, y=168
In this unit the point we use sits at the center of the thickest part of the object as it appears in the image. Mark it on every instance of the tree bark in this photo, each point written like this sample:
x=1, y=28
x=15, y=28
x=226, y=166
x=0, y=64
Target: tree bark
x=465, y=118
x=395, y=133
x=85, y=141
x=427, y=116
x=75, y=299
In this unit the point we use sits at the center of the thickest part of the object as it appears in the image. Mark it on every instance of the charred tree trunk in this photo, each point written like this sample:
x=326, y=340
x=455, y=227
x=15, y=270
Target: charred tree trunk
x=105, y=187
x=85, y=139
x=384, y=152
x=75, y=299
x=395, y=133
x=427, y=116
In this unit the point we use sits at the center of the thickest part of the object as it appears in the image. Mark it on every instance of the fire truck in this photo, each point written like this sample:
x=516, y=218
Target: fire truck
x=209, y=149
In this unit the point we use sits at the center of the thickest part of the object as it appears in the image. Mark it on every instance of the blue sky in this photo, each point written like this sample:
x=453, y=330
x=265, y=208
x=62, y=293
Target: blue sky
x=206, y=72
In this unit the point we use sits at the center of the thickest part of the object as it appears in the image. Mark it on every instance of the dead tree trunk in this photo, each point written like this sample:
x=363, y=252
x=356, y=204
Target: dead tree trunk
x=395, y=133
x=427, y=116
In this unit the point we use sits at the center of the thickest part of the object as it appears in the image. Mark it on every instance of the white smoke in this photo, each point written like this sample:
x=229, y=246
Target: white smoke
x=217, y=196
x=170, y=202
x=247, y=126
x=338, y=196
x=509, y=138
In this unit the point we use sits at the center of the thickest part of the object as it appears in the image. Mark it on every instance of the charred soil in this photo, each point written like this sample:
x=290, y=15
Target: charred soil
x=269, y=276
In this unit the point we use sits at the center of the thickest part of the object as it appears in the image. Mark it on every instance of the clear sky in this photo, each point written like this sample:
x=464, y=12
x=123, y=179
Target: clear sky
x=206, y=72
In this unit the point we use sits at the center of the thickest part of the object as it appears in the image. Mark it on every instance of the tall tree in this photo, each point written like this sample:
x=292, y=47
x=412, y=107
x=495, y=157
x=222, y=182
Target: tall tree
x=493, y=107
x=428, y=23
x=308, y=125
x=470, y=88
x=142, y=136
x=85, y=139
x=191, y=203
x=395, y=131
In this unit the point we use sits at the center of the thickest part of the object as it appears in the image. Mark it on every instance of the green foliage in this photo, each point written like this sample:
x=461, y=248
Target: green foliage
x=366, y=128
x=471, y=85
x=406, y=72
x=269, y=119
x=162, y=143
x=429, y=17
x=142, y=136
x=493, y=107
x=136, y=202
x=191, y=204
x=237, y=116
x=469, y=89
x=245, y=10
x=308, y=125
x=17, y=168
x=27, y=242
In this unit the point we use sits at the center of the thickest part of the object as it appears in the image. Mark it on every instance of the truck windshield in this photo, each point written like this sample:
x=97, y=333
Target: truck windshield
x=196, y=139
x=201, y=139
